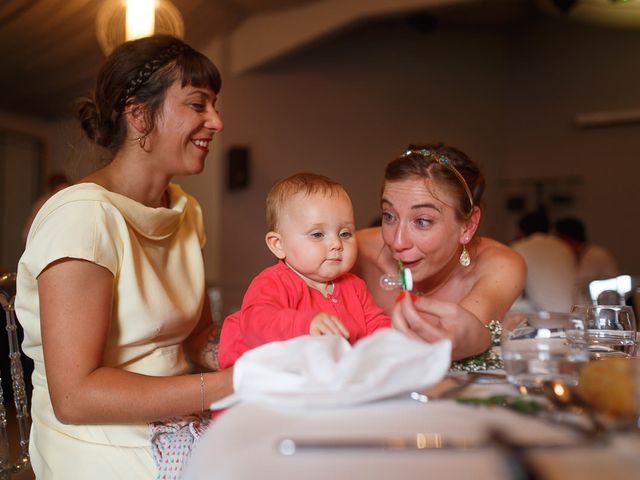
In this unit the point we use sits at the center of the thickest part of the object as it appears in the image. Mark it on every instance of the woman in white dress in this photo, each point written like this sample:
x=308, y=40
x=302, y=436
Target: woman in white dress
x=111, y=287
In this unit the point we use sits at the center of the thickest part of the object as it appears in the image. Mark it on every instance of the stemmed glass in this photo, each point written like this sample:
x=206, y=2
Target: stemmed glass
x=611, y=330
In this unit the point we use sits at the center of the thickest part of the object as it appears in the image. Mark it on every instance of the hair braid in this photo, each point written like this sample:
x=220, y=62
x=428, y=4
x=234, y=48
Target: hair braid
x=149, y=68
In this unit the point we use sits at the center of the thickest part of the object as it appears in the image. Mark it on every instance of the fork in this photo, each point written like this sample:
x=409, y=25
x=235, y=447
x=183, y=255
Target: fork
x=470, y=378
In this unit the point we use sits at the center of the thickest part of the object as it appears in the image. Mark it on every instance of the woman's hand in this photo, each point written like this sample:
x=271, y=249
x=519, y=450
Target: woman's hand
x=202, y=344
x=433, y=320
x=324, y=323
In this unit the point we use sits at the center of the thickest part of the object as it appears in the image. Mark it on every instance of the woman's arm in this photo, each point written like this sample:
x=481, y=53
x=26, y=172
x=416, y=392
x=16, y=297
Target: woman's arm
x=499, y=282
x=76, y=299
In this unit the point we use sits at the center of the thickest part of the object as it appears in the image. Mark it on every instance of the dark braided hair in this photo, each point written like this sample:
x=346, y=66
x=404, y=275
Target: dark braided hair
x=140, y=71
x=148, y=69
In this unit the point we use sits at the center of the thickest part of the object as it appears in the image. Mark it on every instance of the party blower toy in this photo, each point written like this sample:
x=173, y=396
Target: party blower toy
x=403, y=279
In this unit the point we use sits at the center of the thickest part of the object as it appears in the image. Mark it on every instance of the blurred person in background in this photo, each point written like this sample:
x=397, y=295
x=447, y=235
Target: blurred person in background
x=593, y=261
x=551, y=266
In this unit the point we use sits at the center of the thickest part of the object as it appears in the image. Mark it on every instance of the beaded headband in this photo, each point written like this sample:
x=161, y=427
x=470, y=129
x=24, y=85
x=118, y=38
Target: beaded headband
x=168, y=54
x=442, y=160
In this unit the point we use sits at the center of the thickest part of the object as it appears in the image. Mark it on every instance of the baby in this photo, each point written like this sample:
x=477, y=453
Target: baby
x=311, y=230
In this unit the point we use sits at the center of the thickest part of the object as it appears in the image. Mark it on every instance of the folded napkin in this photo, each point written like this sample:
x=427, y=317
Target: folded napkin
x=326, y=371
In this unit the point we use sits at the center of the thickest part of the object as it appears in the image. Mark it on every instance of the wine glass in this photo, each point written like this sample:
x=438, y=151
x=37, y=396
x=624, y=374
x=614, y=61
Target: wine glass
x=611, y=330
x=538, y=347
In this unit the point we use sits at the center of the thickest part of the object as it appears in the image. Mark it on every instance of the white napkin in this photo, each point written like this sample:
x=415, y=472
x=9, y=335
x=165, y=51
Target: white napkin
x=326, y=371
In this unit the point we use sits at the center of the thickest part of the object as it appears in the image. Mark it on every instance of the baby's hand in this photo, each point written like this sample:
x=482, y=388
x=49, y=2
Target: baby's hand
x=326, y=324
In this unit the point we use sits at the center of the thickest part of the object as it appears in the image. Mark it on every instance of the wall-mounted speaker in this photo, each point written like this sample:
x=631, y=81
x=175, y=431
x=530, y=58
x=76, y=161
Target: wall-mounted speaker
x=238, y=168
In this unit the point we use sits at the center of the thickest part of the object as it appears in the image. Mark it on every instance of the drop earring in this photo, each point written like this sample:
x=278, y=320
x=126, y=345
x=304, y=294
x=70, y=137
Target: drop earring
x=465, y=258
x=142, y=141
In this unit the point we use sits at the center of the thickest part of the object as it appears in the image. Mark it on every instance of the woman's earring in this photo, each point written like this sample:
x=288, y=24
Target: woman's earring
x=142, y=141
x=465, y=258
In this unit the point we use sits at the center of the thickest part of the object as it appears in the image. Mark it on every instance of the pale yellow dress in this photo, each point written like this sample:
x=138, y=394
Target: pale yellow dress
x=155, y=257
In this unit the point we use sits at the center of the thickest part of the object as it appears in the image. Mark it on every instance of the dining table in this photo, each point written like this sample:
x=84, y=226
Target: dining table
x=415, y=435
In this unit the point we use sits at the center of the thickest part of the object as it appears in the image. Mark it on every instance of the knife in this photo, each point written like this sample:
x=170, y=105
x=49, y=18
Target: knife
x=419, y=441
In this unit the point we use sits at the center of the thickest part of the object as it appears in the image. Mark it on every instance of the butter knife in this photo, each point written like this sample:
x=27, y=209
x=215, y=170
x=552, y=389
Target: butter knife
x=419, y=441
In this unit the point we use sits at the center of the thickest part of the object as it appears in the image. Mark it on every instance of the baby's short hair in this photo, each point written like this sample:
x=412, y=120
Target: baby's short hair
x=306, y=183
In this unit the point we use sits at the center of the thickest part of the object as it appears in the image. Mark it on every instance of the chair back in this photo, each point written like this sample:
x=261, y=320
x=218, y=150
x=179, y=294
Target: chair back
x=7, y=467
x=622, y=285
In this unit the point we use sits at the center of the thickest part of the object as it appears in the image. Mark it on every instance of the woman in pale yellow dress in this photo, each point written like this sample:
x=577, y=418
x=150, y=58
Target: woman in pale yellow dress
x=111, y=287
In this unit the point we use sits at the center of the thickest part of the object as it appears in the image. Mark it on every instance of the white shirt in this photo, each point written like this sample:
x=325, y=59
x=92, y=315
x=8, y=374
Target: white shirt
x=551, y=272
x=595, y=263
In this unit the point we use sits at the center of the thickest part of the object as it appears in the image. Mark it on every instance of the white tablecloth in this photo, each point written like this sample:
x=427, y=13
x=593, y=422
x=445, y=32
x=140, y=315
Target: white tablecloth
x=242, y=444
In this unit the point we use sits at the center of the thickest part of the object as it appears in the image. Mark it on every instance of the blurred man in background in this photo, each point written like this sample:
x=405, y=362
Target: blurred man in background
x=593, y=261
x=551, y=266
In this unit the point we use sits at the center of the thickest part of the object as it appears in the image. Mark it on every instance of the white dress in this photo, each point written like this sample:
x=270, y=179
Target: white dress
x=155, y=257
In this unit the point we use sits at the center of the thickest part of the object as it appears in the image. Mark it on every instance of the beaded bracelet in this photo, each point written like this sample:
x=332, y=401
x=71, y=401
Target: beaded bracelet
x=202, y=391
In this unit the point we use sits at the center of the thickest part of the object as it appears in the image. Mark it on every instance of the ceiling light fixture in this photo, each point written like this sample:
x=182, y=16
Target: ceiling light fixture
x=140, y=18
x=120, y=20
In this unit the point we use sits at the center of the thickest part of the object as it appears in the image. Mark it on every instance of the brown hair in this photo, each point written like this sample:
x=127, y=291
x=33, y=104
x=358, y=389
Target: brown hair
x=305, y=183
x=440, y=165
x=141, y=71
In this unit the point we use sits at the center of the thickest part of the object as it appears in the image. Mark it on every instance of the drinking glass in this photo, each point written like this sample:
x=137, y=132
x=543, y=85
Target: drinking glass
x=538, y=347
x=635, y=376
x=611, y=330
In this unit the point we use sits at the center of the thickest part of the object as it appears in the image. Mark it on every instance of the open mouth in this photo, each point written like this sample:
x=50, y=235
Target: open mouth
x=410, y=264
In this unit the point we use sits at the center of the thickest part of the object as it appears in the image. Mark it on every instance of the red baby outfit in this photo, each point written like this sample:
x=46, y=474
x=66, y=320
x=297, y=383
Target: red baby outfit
x=279, y=305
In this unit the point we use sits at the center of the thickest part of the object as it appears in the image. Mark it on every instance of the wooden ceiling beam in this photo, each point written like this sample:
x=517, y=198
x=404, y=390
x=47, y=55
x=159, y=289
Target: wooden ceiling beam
x=265, y=37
